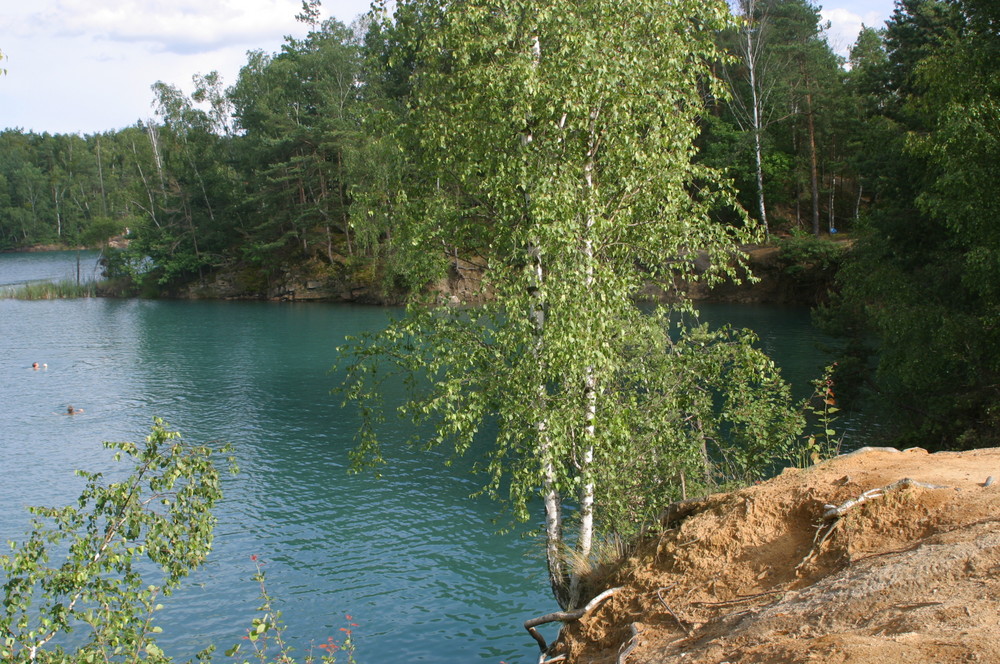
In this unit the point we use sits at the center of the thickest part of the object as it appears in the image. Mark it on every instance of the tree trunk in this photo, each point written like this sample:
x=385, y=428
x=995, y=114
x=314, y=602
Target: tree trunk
x=813, y=163
x=55, y=199
x=100, y=177
x=554, y=548
x=346, y=219
x=145, y=184
x=587, y=487
x=550, y=492
x=831, y=215
x=757, y=117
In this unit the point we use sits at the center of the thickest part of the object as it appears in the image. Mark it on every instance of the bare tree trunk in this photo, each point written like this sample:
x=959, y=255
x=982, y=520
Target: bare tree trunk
x=346, y=221
x=752, y=61
x=155, y=143
x=145, y=184
x=55, y=199
x=831, y=215
x=100, y=177
x=813, y=163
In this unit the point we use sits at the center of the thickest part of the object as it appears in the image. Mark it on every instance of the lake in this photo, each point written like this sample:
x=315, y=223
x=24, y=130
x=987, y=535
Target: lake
x=416, y=562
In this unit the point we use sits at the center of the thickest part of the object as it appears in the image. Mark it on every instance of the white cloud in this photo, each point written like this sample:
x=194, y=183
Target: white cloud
x=845, y=25
x=174, y=26
x=87, y=65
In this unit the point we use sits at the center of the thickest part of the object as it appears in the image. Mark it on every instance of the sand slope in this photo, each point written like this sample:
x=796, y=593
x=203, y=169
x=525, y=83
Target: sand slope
x=760, y=576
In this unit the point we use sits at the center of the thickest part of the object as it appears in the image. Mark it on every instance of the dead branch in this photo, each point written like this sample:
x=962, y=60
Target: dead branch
x=629, y=645
x=564, y=617
x=832, y=513
x=659, y=596
x=836, y=511
x=738, y=600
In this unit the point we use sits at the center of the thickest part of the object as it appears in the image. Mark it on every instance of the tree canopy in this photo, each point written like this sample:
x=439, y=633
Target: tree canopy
x=570, y=171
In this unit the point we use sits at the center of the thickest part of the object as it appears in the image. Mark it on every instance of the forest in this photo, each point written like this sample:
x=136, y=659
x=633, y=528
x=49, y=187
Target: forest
x=305, y=160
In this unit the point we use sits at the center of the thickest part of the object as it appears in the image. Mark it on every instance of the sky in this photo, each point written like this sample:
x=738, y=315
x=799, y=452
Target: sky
x=86, y=66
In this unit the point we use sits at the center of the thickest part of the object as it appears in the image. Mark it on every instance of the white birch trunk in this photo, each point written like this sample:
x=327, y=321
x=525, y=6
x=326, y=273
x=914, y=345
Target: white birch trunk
x=752, y=53
x=550, y=490
x=145, y=184
x=585, y=537
x=100, y=177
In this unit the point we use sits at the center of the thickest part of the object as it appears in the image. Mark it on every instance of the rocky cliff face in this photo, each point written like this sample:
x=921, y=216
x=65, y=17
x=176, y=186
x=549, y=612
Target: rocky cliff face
x=777, y=280
x=305, y=283
x=321, y=283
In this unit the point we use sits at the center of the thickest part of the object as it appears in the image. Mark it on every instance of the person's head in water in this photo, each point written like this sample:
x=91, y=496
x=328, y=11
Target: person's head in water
x=71, y=411
x=34, y=365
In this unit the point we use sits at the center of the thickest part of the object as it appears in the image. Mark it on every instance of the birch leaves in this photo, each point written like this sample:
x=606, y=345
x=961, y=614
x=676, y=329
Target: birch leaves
x=556, y=141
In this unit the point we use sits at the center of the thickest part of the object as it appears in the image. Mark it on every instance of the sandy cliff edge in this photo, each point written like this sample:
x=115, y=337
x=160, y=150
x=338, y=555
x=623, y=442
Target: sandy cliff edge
x=759, y=575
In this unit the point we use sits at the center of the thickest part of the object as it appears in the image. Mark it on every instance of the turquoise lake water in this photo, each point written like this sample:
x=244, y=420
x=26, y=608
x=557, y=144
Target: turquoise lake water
x=417, y=563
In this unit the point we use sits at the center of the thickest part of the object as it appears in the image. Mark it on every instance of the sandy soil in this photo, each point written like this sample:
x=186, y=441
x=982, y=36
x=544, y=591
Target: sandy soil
x=761, y=576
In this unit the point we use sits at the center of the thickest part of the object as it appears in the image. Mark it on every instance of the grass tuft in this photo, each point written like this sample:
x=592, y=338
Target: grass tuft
x=50, y=290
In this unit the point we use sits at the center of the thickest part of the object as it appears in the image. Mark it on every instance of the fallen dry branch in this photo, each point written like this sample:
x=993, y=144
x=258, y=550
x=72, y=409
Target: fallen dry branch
x=832, y=513
x=659, y=596
x=629, y=645
x=738, y=600
x=836, y=511
x=564, y=616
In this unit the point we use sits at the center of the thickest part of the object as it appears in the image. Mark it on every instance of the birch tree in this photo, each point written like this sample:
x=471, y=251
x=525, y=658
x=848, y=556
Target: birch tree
x=753, y=114
x=555, y=140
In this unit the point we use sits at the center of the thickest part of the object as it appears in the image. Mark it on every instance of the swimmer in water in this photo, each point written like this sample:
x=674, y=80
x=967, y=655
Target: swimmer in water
x=73, y=411
x=34, y=365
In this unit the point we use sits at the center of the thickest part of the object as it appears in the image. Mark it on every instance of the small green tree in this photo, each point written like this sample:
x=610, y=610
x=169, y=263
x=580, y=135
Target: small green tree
x=161, y=512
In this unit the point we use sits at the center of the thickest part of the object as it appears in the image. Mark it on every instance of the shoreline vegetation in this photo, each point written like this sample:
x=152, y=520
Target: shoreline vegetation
x=50, y=290
x=795, y=270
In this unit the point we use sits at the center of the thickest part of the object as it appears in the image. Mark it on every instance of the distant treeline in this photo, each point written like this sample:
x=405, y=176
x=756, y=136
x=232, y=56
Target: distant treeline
x=303, y=160
x=272, y=169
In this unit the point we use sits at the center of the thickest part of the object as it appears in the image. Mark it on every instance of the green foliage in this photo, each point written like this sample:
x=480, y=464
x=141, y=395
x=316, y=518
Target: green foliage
x=125, y=545
x=687, y=410
x=802, y=252
x=266, y=635
x=790, y=115
x=821, y=410
x=698, y=410
x=298, y=113
x=921, y=288
x=569, y=170
x=160, y=512
x=50, y=290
